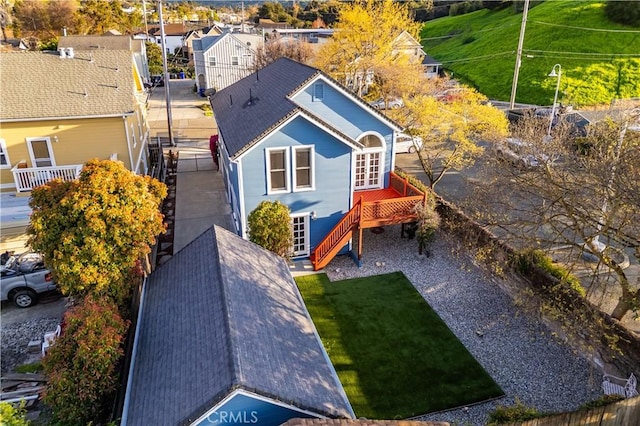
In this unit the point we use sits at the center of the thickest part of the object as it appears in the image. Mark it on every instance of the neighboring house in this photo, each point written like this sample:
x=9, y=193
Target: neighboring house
x=109, y=41
x=173, y=36
x=197, y=34
x=61, y=109
x=291, y=133
x=221, y=61
x=431, y=66
x=406, y=44
x=224, y=334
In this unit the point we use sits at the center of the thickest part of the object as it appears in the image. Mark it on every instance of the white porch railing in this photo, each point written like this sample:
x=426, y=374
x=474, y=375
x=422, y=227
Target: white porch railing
x=27, y=179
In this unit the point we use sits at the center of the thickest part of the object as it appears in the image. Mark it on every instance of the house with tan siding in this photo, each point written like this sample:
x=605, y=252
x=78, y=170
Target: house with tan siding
x=61, y=109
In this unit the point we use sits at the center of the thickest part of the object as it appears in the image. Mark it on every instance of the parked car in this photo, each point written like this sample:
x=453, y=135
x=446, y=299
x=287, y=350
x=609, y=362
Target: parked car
x=520, y=153
x=408, y=143
x=391, y=103
x=157, y=81
x=23, y=278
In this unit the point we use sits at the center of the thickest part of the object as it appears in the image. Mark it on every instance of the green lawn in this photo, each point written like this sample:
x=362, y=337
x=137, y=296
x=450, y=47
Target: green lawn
x=393, y=354
x=494, y=35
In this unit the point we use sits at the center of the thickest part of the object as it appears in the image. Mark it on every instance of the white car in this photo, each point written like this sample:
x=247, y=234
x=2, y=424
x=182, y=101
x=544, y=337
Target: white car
x=408, y=143
x=521, y=154
x=391, y=103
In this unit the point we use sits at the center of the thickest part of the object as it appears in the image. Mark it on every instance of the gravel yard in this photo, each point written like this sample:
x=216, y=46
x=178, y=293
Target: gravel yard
x=521, y=354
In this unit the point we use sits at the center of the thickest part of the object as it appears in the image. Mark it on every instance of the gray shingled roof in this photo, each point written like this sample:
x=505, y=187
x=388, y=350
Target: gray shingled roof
x=39, y=85
x=222, y=314
x=428, y=60
x=91, y=42
x=241, y=122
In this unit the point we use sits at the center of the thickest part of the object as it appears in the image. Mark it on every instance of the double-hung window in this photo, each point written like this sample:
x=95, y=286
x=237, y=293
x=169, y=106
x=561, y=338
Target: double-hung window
x=235, y=61
x=277, y=170
x=290, y=169
x=212, y=61
x=303, y=176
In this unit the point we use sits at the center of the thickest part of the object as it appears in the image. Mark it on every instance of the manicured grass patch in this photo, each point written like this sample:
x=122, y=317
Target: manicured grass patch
x=394, y=355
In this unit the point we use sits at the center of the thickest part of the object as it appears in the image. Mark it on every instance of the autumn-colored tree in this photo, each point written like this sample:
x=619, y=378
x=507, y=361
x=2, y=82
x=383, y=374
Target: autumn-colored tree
x=365, y=40
x=92, y=231
x=43, y=19
x=81, y=367
x=451, y=128
x=275, y=47
x=98, y=17
x=270, y=227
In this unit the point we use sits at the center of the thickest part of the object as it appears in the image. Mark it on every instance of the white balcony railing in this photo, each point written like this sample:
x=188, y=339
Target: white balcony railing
x=28, y=178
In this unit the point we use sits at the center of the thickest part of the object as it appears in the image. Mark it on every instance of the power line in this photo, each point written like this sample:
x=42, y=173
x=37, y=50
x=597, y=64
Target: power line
x=478, y=58
x=591, y=54
x=586, y=28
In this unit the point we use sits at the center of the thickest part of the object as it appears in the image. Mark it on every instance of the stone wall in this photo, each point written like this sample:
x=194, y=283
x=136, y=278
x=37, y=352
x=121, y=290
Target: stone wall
x=601, y=338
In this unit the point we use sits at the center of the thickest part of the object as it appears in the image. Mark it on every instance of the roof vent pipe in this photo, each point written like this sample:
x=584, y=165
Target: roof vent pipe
x=63, y=52
x=230, y=99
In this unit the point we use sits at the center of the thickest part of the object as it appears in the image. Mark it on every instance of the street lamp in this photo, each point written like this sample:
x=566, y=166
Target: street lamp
x=557, y=74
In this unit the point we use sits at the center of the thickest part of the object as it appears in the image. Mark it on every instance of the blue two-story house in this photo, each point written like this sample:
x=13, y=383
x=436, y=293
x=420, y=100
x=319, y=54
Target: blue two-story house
x=291, y=133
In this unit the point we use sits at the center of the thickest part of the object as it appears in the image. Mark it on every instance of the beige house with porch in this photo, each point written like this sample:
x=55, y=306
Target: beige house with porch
x=61, y=109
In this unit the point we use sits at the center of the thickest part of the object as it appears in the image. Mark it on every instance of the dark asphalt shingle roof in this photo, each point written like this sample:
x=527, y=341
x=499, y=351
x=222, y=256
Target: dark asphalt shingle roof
x=224, y=313
x=429, y=60
x=43, y=85
x=241, y=121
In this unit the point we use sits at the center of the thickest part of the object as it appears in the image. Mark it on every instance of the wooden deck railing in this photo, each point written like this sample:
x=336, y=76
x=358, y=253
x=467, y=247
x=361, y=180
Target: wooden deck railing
x=388, y=212
x=28, y=178
x=324, y=252
x=369, y=214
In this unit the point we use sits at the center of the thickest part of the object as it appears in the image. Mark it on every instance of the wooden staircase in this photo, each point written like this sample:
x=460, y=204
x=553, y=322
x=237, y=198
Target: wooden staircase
x=374, y=208
x=336, y=238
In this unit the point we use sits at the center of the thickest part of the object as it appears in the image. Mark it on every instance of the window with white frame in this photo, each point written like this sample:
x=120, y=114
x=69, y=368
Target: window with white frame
x=318, y=91
x=235, y=61
x=368, y=164
x=303, y=168
x=300, y=226
x=277, y=170
x=212, y=61
x=4, y=155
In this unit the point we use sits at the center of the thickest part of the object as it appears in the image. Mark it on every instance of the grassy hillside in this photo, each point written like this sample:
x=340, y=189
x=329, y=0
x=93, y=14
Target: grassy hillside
x=594, y=76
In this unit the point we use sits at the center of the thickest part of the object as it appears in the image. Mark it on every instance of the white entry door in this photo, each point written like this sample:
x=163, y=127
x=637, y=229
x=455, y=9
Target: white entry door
x=41, y=152
x=368, y=170
x=300, y=235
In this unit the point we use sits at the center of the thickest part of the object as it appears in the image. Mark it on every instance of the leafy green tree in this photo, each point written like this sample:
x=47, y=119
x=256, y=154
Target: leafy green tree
x=92, y=231
x=81, y=367
x=270, y=227
x=624, y=12
x=154, y=57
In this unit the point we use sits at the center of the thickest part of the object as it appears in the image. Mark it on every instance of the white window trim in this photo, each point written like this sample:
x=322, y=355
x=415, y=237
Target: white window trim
x=237, y=61
x=307, y=242
x=287, y=169
x=315, y=86
x=215, y=62
x=49, y=147
x=380, y=177
x=312, y=165
x=3, y=145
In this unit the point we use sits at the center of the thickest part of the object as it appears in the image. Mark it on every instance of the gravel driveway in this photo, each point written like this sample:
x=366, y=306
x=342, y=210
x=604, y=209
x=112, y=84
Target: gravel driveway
x=519, y=352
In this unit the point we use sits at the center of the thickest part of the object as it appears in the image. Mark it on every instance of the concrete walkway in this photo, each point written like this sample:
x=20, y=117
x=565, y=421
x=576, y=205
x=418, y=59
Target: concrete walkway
x=200, y=196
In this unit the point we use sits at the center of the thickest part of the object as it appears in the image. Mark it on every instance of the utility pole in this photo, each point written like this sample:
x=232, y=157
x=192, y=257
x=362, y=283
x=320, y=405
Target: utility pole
x=516, y=71
x=166, y=75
